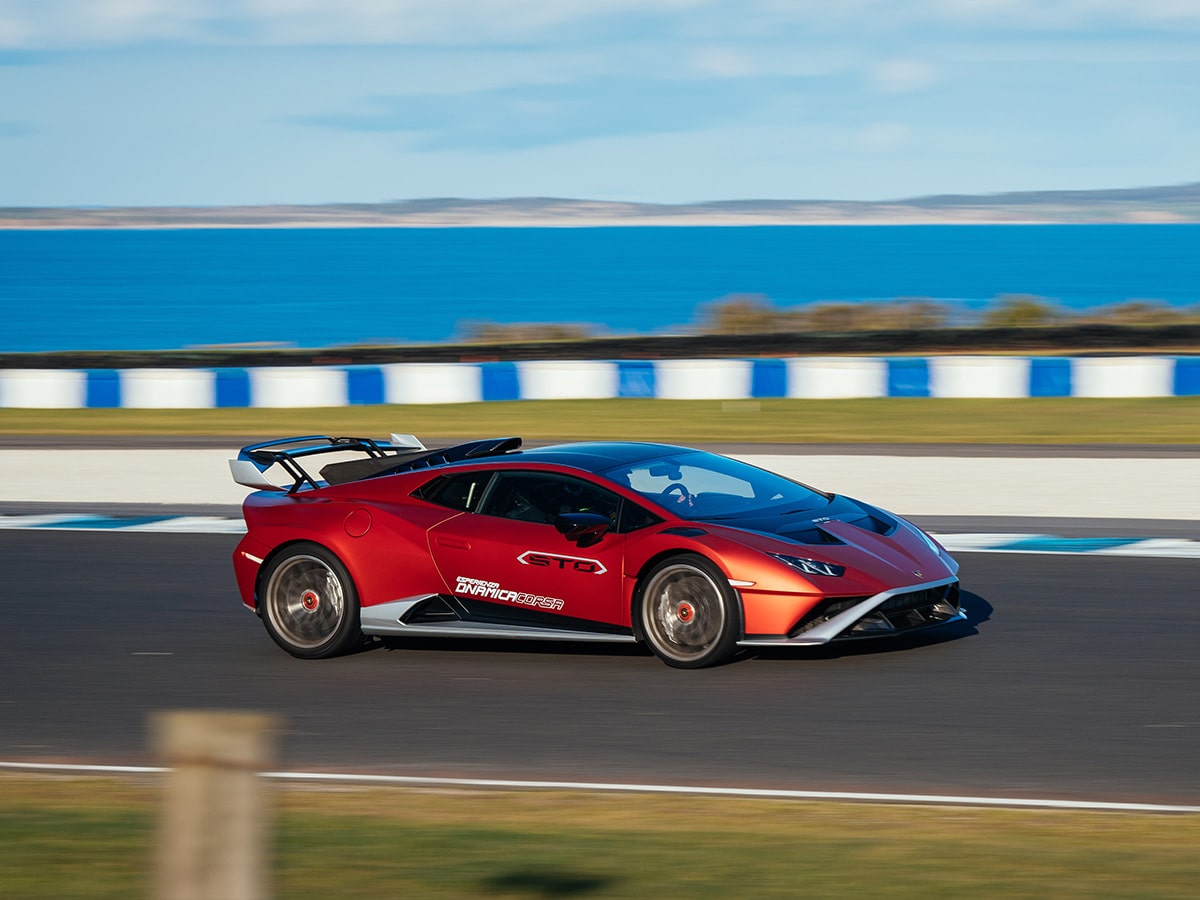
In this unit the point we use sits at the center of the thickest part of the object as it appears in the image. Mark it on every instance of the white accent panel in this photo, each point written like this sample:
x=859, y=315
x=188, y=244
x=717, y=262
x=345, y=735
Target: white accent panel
x=836, y=377
x=567, y=380
x=168, y=388
x=43, y=389
x=432, y=383
x=298, y=386
x=248, y=475
x=978, y=376
x=702, y=379
x=411, y=441
x=1130, y=376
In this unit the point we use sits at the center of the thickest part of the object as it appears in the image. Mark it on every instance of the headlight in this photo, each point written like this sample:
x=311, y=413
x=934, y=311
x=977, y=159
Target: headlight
x=812, y=566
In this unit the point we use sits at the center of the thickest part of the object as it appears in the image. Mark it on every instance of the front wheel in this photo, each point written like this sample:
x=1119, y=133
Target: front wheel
x=689, y=614
x=309, y=604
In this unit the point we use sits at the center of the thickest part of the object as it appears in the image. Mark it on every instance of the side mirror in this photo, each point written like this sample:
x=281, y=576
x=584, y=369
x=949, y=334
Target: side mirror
x=583, y=528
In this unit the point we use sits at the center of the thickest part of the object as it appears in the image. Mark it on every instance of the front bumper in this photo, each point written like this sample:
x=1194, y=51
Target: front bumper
x=888, y=613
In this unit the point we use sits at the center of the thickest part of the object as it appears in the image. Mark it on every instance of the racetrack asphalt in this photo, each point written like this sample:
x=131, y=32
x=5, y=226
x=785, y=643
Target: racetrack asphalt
x=1075, y=677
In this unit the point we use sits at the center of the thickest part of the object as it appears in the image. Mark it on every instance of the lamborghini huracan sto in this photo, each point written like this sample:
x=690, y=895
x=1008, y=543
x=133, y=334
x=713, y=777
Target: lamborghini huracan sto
x=692, y=553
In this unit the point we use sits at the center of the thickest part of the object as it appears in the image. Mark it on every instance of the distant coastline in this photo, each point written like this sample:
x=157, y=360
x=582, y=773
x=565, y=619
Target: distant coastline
x=1179, y=204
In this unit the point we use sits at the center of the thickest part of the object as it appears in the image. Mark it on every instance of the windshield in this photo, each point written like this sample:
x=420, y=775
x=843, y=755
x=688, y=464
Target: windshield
x=699, y=485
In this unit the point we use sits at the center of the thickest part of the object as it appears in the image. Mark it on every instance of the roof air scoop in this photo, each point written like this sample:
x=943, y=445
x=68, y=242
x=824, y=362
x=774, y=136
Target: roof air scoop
x=407, y=441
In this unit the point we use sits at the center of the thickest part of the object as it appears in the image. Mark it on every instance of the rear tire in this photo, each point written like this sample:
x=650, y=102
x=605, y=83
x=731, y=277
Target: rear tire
x=687, y=612
x=309, y=604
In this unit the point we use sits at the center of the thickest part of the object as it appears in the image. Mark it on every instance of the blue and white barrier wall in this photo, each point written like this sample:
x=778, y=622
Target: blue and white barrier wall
x=675, y=379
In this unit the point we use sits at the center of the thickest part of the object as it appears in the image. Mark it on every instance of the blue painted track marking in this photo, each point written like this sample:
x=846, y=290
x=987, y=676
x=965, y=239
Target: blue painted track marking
x=103, y=523
x=142, y=524
x=1045, y=543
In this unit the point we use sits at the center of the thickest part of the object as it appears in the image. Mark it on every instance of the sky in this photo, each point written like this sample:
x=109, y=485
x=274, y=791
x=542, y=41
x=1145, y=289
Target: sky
x=219, y=102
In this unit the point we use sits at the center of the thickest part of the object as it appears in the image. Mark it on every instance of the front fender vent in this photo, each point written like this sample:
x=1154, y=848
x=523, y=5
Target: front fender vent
x=684, y=531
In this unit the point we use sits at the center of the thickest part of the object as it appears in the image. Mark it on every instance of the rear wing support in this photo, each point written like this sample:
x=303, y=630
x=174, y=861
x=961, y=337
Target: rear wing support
x=254, y=460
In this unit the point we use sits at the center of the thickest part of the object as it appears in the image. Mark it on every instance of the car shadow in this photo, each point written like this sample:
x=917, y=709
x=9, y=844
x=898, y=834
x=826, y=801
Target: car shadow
x=542, y=882
x=516, y=645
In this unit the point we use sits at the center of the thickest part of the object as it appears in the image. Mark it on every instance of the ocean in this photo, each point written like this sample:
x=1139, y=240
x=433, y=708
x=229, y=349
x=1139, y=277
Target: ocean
x=173, y=289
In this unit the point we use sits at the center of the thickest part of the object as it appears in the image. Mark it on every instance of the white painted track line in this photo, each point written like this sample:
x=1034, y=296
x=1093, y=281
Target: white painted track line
x=590, y=787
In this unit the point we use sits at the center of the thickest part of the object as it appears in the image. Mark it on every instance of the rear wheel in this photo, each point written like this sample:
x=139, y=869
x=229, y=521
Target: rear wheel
x=309, y=604
x=689, y=614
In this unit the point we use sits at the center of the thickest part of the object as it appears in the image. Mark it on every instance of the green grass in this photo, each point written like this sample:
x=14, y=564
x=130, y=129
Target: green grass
x=95, y=838
x=1158, y=420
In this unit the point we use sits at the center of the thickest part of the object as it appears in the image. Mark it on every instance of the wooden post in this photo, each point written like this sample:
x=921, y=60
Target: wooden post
x=213, y=839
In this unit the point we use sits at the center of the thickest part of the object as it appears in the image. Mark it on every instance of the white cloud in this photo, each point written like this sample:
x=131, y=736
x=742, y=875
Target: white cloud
x=902, y=76
x=14, y=31
x=49, y=24
x=1066, y=13
x=723, y=62
x=69, y=23
x=883, y=16
x=884, y=137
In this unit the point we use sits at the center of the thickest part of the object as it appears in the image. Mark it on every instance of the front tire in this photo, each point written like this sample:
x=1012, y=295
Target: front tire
x=689, y=615
x=309, y=604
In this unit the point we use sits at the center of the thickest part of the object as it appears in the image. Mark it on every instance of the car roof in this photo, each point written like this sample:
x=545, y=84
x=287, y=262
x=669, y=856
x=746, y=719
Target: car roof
x=595, y=456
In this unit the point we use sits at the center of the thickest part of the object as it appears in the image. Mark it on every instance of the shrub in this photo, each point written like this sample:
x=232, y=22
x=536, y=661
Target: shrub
x=1021, y=311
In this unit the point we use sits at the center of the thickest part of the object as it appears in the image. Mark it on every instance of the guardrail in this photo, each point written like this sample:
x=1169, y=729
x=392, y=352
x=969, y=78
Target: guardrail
x=675, y=379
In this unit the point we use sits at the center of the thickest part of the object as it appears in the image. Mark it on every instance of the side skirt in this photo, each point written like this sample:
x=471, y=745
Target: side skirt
x=440, y=615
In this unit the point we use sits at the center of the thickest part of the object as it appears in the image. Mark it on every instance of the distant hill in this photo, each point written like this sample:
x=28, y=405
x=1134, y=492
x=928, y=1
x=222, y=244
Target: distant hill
x=1180, y=203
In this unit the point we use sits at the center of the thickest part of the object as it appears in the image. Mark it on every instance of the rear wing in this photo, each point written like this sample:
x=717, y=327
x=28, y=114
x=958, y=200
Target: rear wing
x=401, y=453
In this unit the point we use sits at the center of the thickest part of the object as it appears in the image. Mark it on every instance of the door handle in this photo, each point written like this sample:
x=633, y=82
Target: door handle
x=453, y=543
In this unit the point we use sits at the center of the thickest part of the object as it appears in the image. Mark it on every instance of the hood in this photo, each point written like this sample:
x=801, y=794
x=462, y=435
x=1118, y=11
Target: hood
x=868, y=541
x=812, y=525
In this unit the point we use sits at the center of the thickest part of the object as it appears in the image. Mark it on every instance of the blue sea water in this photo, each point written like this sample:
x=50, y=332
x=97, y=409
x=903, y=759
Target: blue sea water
x=170, y=289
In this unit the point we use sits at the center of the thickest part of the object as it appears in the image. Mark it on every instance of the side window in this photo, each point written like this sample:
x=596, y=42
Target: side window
x=542, y=496
x=461, y=492
x=634, y=517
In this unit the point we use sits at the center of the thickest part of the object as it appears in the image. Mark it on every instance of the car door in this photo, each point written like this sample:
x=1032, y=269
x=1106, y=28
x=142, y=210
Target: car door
x=506, y=551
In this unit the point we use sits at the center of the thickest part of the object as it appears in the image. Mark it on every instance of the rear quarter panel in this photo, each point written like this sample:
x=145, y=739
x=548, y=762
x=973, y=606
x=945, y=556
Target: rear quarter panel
x=382, y=544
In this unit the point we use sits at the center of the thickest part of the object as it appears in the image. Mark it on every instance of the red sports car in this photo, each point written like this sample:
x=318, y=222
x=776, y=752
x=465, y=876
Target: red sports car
x=693, y=553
